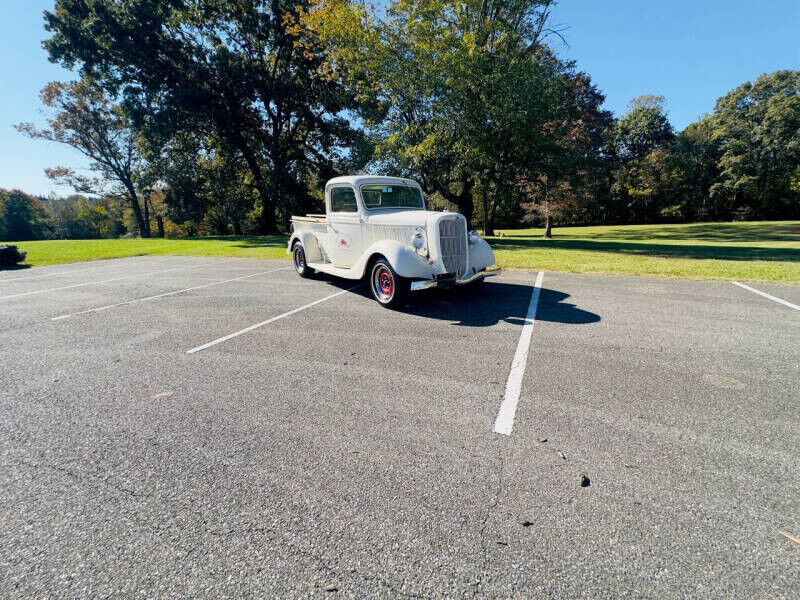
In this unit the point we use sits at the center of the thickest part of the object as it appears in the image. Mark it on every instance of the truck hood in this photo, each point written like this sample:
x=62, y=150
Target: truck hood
x=407, y=218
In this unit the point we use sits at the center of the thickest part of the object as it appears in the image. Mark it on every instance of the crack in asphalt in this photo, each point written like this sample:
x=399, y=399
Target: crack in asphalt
x=485, y=521
x=249, y=530
x=321, y=562
x=83, y=477
x=274, y=536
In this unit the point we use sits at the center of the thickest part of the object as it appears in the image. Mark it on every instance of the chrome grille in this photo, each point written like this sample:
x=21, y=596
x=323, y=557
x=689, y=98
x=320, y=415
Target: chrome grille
x=453, y=245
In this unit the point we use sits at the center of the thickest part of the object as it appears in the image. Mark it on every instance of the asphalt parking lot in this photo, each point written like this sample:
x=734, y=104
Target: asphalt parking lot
x=315, y=444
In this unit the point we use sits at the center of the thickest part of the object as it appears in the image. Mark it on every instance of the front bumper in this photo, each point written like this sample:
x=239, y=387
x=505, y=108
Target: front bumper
x=452, y=281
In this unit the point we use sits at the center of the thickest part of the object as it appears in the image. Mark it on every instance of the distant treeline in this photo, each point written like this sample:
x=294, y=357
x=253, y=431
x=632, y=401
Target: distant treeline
x=205, y=116
x=78, y=217
x=25, y=217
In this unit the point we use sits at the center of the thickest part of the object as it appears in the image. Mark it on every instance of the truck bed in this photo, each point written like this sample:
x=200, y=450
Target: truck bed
x=310, y=219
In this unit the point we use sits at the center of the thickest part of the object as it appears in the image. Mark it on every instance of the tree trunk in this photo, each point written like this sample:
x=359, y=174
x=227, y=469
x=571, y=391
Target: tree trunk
x=147, y=217
x=267, y=223
x=466, y=205
x=487, y=224
x=141, y=222
x=492, y=214
x=160, y=223
x=237, y=228
x=548, y=228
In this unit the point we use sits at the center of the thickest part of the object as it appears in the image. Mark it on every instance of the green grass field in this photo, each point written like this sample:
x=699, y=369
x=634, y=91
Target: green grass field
x=52, y=252
x=756, y=251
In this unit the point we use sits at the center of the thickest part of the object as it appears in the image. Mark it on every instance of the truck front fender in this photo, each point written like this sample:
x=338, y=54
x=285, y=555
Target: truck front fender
x=404, y=260
x=481, y=256
x=310, y=245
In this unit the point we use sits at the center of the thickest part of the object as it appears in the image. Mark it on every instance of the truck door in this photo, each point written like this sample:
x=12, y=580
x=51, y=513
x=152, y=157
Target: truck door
x=344, y=226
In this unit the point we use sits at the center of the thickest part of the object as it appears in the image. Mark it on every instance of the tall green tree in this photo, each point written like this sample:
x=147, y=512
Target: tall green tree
x=643, y=128
x=456, y=93
x=22, y=217
x=757, y=127
x=234, y=69
x=694, y=154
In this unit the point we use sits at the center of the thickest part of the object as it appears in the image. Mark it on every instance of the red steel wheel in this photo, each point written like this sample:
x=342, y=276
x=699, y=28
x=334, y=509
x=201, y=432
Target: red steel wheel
x=300, y=264
x=388, y=288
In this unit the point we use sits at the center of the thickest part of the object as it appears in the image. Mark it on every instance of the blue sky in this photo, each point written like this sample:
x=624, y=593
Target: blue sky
x=691, y=52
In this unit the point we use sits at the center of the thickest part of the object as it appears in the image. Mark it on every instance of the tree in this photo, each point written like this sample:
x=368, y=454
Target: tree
x=695, y=154
x=570, y=176
x=206, y=183
x=234, y=70
x=83, y=117
x=456, y=94
x=636, y=135
x=22, y=217
x=643, y=128
x=757, y=127
x=79, y=217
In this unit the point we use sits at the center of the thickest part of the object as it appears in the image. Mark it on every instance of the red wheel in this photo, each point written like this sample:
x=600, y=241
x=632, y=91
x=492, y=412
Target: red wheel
x=300, y=263
x=384, y=283
x=388, y=288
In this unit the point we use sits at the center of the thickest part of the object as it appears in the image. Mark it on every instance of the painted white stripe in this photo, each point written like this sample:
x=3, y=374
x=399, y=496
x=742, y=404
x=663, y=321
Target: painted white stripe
x=508, y=408
x=77, y=285
x=773, y=298
x=97, y=266
x=268, y=321
x=165, y=294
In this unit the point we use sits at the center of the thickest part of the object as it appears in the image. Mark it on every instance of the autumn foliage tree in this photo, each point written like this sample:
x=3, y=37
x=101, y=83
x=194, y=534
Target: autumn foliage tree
x=569, y=178
x=82, y=116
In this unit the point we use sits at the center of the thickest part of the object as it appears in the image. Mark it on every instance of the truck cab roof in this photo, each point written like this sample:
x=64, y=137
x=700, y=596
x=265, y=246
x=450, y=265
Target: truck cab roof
x=357, y=180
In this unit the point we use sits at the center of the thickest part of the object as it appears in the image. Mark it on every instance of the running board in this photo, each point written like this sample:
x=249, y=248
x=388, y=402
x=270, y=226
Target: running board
x=330, y=269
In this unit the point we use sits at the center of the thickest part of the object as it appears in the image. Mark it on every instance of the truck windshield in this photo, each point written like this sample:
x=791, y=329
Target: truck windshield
x=391, y=196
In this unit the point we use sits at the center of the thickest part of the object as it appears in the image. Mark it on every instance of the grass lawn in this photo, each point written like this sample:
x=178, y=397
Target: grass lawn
x=756, y=251
x=52, y=252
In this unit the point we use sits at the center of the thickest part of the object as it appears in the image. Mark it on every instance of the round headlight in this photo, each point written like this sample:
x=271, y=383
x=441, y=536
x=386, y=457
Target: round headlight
x=473, y=237
x=418, y=239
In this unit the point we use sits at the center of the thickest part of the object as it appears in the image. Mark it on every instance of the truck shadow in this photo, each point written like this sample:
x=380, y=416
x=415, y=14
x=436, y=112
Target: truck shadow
x=491, y=303
x=496, y=301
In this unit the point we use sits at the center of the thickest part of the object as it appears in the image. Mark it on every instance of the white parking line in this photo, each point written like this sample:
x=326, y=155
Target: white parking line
x=99, y=264
x=773, y=298
x=508, y=408
x=268, y=321
x=189, y=289
x=68, y=287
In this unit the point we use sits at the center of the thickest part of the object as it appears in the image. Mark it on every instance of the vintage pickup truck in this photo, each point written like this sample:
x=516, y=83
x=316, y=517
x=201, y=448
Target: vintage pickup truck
x=378, y=228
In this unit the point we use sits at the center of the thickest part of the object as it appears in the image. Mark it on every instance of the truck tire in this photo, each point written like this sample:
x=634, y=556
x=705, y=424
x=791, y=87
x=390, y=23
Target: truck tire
x=300, y=264
x=388, y=288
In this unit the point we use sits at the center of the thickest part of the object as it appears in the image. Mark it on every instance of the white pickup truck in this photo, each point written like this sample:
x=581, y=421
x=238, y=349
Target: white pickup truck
x=378, y=228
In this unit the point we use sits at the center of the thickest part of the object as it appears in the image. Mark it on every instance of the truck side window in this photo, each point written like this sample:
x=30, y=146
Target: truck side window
x=343, y=199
